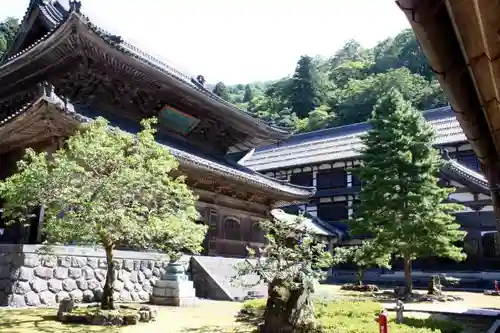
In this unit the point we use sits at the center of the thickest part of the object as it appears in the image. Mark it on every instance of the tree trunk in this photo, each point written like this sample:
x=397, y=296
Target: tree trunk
x=360, y=275
x=408, y=279
x=287, y=311
x=107, y=302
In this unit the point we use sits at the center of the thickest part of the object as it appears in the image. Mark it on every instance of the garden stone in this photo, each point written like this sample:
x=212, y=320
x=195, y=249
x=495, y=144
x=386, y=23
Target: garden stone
x=38, y=285
x=157, y=264
x=82, y=284
x=55, y=285
x=128, y=265
x=144, y=265
x=156, y=272
x=47, y=298
x=32, y=299
x=88, y=273
x=98, y=294
x=44, y=272
x=138, y=287
x=16, y=301
x=148, y=273
x=65, y=305
x=146, y=287
x=93, y=284
x=22, y=287
x=64, y=261
x=134, y=276
x=75, y=273
x=78, y=262
x=88, y=296
x=69, y=285
x=137, y=265
x=118, y=286
x=61, y=273
x=61, y=296
x=153, y=280
x=76, y=295
x=93, y=263
x=31, y=260
x=26, y=274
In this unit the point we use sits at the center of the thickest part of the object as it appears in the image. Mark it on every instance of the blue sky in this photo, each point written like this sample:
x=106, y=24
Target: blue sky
x=239, y=41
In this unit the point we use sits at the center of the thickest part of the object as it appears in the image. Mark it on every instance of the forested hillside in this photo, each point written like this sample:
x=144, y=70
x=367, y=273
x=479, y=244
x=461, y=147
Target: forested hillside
x=326, y=92
x=342, y=89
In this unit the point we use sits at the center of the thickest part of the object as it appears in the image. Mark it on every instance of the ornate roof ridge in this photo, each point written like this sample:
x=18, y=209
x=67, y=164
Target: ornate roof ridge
x=56, y=18
x=464, y=172
x=244, y=173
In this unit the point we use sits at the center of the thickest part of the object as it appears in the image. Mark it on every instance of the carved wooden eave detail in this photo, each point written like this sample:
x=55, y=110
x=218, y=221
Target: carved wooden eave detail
x=77, y=42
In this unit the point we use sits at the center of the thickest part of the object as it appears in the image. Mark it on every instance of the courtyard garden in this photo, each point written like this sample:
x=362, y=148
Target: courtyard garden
x=336, y=310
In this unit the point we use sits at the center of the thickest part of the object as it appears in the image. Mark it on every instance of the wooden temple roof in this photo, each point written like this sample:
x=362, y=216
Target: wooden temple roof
x=460, y=39
x=50, y=116
x=53, y=38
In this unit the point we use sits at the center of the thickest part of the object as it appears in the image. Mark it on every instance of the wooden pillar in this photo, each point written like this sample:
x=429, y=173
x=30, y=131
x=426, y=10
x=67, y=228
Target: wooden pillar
x=492, y=173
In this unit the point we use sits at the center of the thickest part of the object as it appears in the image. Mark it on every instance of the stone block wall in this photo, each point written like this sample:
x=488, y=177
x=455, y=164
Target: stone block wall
x=30, y=276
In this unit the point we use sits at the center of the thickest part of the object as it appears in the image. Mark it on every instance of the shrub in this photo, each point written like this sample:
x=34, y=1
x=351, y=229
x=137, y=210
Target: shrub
x=359, y=287
x=359, y=317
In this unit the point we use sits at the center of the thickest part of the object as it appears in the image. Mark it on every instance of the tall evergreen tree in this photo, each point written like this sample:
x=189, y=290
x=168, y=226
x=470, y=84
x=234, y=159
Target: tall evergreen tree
x=221, y=90
x=248, y=94
x=402, y=205
x=304, y=90
x=8, y=30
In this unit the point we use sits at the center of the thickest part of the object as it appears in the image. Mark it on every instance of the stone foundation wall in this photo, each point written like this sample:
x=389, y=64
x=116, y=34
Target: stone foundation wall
x=30, y=276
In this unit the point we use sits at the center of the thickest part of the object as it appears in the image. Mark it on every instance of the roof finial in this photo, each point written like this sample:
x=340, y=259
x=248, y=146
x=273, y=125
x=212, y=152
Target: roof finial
x=446, y=154
x=75, y=6
x=200, y=80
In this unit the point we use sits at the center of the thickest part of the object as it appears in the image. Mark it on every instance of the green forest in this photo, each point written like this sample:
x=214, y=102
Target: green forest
x=329, y=91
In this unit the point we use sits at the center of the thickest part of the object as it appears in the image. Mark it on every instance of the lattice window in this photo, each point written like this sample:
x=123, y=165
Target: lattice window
x=232, y=228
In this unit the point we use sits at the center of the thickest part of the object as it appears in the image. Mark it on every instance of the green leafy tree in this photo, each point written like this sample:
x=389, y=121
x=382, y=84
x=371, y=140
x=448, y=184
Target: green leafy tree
x=319, y=118
x=291, y=264
x=304, y=92
x=401, y=204
x=248, y=94
x=221, y=90
x=8, y=31
x=108, y=188
x=365, y=256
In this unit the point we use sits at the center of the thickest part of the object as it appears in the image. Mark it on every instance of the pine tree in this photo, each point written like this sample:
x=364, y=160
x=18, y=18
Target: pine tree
x=401, y=204
x=304, y=89
x=220, y=90
x=248, y=94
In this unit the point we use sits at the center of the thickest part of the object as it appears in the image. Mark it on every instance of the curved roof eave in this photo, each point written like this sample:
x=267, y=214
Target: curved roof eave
x=264, y=129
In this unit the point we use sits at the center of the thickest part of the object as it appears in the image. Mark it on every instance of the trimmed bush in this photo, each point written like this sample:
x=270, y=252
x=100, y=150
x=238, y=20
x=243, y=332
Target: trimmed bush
x=358, y=317
x=359, y=287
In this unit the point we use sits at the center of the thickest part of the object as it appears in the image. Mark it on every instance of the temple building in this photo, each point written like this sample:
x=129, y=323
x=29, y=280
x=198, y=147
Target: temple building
x=62, y=70
x=323, y=158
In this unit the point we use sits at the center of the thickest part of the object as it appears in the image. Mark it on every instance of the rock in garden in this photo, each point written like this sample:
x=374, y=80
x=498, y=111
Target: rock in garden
x=16, y=301
x=103, y=263
x=66, y=305
x=123, y=276
x=93, y=284
x=128, y=265
x=88, y=296
x=131, y=319
x=49, y=261
x=64, y=261
x=98, y=294
x=21, y=287
x=78, y=262
x=129, y=286
x=82, y=284
x=118, y=286
x=62, y=295
x=93, y=263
